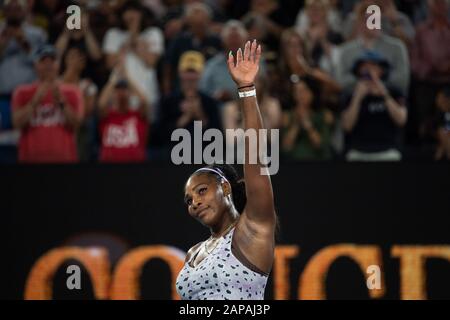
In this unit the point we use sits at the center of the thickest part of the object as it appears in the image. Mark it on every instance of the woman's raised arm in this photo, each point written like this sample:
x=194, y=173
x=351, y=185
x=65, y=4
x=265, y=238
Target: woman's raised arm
x=259, y=213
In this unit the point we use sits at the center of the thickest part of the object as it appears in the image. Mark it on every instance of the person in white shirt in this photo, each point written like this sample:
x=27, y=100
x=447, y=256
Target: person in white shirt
x=140, y=46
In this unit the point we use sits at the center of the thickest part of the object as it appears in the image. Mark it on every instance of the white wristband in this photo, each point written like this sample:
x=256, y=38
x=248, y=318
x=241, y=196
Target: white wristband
x=245, y=94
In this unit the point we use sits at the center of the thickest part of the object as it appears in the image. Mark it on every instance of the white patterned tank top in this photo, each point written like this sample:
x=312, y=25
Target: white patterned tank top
x=221, y=276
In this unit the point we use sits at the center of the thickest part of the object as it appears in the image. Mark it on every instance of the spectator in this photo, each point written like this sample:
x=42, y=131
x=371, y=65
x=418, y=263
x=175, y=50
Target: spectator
x=198, y=37
x=220, y=10
x=417, y=10
x=141, y=46
x=181, y=108
x=216, y=80
x=74, y=73
x=307, y=127
x=123, y=128
x=158, y=7
x=270, y=112
x=295, y=63
x=50, y=15
x=274, y=19
x=175, y=18
x=393, y=49
x=347, y=7
x=320, y=40
x=431, y=58
x=443, y=125
x=394, y=23
x=85, y=40
x=18, y=39
x=255, y=27
x=374, y=113
x=48, y=113
x=102, y=17
x=333, y=16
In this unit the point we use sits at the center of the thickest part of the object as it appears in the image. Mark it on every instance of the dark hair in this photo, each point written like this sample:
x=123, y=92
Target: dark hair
x=148, y=17
x=237, y=184
x=82, y=51
x=285, y=38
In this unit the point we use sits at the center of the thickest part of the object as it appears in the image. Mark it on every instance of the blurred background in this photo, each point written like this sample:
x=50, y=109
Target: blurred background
x=128, y=81
x=104, y=100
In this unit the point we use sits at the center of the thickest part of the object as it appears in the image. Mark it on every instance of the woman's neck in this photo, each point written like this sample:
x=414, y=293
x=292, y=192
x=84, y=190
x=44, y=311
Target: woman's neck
x=226, y=225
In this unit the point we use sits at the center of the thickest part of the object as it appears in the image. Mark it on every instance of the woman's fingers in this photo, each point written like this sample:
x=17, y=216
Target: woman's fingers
x=230, y=61
x=248, y=51
x=253, y=51
x=258, y=54
x=239, y=57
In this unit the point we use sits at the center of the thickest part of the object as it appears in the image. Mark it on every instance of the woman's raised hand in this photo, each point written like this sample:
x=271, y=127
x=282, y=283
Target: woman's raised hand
x=245, y=67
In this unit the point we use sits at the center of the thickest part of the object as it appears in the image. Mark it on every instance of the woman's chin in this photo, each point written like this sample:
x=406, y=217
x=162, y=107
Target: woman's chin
x=205, y=221
x=206, y=218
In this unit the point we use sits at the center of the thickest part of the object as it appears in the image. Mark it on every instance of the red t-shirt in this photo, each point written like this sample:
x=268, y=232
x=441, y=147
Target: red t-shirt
x=47, y=138
x=124, y=137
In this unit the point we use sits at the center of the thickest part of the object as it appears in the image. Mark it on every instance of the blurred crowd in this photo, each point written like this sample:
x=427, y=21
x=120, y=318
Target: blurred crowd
x=115, y=89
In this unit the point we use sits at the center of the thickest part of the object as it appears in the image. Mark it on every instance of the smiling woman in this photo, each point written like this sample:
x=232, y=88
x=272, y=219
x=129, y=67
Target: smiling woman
x=234, y=263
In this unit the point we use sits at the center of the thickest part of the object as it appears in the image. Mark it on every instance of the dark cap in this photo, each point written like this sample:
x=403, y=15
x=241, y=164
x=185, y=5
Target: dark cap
x=46, y=50
x=373, y=57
